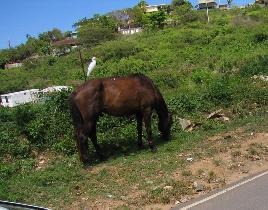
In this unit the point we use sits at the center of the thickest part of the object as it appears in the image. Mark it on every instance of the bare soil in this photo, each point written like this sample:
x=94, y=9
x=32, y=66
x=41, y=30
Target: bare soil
x=235, y=155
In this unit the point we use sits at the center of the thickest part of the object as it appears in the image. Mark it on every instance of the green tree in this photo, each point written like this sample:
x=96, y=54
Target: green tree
x=136, y=15
x=96, y=30
x=155, y=20
x=142, y=5
x=53, y=35
x=178, y=3
x=182, y=12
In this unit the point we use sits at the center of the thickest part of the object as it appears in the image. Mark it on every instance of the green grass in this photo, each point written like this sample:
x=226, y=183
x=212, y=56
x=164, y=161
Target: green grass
x=64, y=180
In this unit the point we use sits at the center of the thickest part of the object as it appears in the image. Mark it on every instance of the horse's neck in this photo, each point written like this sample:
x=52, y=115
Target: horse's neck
x=162, y=110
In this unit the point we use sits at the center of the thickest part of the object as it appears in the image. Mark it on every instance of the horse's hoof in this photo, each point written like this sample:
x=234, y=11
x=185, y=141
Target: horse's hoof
x=102, y=158
x=86, y=165
x=140, y=146
x=154, y=150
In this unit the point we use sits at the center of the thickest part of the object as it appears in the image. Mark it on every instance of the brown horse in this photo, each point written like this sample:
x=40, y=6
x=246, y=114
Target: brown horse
x=117, y=96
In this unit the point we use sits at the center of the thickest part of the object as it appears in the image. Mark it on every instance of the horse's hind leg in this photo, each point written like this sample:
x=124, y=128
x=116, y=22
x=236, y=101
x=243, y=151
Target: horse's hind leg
x=147, y=120
x=82, y=144
x=93, y=137
x=139, y=130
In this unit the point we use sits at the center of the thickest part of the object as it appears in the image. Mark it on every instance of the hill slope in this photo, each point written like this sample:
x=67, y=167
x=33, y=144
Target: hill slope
x=198, y=67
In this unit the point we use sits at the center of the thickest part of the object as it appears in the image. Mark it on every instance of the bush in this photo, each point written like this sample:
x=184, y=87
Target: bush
x=116, y=50
x=258, y=65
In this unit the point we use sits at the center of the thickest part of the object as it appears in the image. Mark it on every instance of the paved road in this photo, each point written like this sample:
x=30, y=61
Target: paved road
x=248, y=194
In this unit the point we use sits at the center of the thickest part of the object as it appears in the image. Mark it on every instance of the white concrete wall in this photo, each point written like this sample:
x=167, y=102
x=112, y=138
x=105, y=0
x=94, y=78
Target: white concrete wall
x=22, y=97
x=17, y=98
x=13, y=65
x=130, y=31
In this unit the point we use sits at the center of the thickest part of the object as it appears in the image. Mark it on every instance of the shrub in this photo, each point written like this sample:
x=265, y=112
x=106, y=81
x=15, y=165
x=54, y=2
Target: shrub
x=116, y=50
x=258, y=65
x=260, y=37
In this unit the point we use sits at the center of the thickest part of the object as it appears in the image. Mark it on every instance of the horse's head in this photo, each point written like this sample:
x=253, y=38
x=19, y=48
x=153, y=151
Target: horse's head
x=165, y=126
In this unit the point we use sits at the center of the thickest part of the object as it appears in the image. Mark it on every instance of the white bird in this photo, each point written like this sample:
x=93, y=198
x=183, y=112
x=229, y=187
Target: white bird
x=91, y=66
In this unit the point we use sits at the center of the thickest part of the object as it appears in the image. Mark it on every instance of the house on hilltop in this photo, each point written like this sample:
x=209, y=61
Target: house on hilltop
x=129, y=30
x=223, y=6
x=154, y=8
x=72, y=42
x=261, y=2
x=204, y=4
x=64, y=46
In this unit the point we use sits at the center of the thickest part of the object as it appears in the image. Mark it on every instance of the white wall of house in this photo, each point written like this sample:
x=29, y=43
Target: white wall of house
x=26, y=96
x=126, y=31
x=12, y=65
x=54, y=88
x=17, y=98
x=153, y=8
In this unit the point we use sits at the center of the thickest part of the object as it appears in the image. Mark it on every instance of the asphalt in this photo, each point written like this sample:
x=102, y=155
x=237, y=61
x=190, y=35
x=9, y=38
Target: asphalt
x=247, y=194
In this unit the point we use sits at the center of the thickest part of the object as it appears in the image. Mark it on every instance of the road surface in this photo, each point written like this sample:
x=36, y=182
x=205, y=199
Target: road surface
x=248, y=194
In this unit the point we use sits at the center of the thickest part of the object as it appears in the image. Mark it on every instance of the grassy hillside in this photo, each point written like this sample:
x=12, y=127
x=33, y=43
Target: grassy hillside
x=198, y=67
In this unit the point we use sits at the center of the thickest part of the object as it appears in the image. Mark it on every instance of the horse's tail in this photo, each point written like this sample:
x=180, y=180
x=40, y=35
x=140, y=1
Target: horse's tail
x=75, y=113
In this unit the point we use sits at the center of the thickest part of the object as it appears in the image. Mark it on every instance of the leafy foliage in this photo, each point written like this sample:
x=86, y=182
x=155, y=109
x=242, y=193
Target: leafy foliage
x=96, y=30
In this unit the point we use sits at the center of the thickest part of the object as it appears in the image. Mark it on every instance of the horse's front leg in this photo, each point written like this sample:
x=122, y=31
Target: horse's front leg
x=93, y=137
x=147, y=121
x=139, y=130
x=82, y=145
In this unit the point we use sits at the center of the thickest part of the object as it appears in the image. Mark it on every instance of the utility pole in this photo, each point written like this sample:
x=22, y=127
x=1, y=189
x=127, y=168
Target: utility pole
x=207, y=11
x=9, y=44
x=82, y=64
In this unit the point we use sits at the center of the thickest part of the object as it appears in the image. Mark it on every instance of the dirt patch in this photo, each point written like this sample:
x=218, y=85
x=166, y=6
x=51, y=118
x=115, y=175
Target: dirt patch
x=42, y=160
x=244, y=154
x=220, y=160
x=85, y=204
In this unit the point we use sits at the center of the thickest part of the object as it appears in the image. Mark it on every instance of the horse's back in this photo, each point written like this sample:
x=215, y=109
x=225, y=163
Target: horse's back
x=116, y=95
x=126, y=95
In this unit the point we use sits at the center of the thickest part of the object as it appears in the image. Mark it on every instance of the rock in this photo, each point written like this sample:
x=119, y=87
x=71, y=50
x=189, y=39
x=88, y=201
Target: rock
x=184, y=123
x=255, y=157
x=261, y=77
x=183, y=200
x=199, y=187
x=168, y=188
x=190, y=159
x=217, y=115
x=109, y=196
x=188, y=125
x=177, y=202
x=41, y=162
x=224, y=119
x=123, y=197
x=244, y=171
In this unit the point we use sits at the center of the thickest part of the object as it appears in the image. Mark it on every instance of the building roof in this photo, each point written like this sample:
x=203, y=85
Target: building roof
x=155, y=5
x=206, y=1
x=66, y=41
